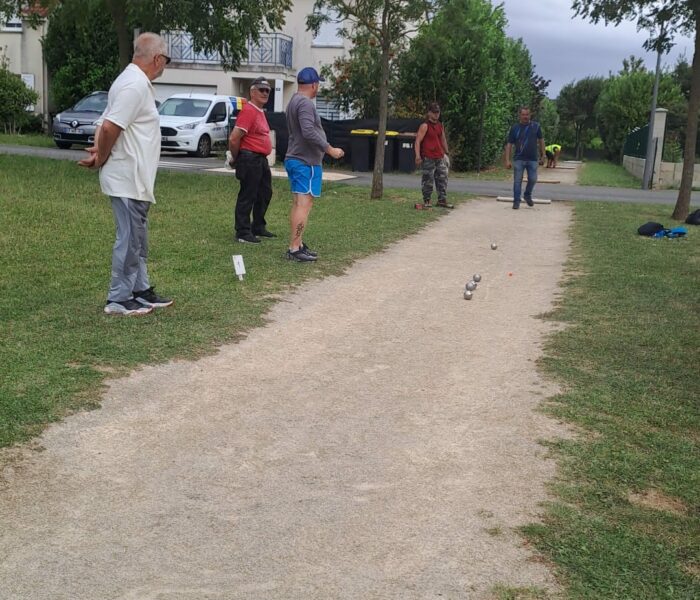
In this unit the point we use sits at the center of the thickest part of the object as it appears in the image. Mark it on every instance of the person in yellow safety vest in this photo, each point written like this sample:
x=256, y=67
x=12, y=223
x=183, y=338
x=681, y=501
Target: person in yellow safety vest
x=552, y=151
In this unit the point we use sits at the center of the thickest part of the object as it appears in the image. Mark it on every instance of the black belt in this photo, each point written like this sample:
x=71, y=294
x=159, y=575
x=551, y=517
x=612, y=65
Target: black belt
x=251, y=153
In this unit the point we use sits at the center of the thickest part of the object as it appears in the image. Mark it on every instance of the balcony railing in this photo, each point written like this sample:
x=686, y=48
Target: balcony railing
x=272, y=49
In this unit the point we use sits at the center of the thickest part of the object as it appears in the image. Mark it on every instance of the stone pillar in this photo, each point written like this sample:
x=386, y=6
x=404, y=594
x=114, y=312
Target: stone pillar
x=279, y=95
x=658, y=135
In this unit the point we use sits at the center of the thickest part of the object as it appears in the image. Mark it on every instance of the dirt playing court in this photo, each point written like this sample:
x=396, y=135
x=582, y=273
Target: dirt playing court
x=378, y=439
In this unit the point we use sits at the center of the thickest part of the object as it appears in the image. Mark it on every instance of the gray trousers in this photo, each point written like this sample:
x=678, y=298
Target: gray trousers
x=130, y=250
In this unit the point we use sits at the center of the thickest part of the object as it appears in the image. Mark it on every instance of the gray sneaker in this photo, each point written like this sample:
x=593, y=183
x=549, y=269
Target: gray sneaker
x=299, y=256
x=127, y=308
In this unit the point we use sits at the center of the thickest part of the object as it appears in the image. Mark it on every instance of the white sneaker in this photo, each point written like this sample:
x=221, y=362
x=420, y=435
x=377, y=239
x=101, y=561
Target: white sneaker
x=127, y=308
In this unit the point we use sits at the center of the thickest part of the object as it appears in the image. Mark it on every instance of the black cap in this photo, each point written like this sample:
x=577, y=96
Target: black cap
x=434, y=107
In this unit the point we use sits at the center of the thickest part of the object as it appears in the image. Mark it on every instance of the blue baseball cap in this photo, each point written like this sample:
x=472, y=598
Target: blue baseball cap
x=308, y=75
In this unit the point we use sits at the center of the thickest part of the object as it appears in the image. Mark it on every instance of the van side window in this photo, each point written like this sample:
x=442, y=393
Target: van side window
x=218, y=113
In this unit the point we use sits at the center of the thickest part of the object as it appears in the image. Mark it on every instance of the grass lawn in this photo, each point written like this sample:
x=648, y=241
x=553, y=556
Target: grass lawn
x=28, y=139
x=627, y=523
x=607, y=174
x=55, y=248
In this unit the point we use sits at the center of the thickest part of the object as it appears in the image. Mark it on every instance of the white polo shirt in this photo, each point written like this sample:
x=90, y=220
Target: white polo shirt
x=130, y=170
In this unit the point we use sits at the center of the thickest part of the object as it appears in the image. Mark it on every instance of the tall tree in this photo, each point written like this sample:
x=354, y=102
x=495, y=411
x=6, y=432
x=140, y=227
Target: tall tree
x=388, y=23
x=464, y=60
x=624, y=104
x=576, y=104
x=678, y=16
x=222, y=26
x=80, y=51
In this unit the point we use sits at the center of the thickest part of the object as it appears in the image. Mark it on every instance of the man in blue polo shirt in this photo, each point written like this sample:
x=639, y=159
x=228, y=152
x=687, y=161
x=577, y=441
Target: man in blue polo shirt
x=526, y=136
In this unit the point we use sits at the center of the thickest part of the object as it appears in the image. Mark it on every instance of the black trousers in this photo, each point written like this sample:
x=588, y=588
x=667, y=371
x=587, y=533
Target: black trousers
x=253, y=171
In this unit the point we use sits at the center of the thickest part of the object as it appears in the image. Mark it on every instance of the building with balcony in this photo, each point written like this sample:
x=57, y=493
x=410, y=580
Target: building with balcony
x=277, y=56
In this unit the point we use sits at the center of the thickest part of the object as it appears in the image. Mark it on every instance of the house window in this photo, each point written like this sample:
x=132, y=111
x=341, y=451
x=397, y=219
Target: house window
x=328, y=36
x=11, y=24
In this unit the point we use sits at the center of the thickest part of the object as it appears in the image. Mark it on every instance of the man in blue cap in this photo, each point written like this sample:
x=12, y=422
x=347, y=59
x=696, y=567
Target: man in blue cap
x=306, y=147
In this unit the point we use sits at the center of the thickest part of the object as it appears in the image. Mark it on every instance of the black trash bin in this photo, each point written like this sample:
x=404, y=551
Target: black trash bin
x=389, y=150
x=361, y=149
x=405, y=147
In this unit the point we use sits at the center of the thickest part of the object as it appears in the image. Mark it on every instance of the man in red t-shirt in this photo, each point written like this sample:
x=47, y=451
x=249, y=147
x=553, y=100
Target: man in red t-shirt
x=250, y=144
x=431, y=155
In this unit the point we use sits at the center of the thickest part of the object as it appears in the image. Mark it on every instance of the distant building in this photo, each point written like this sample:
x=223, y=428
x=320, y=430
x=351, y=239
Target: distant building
x=277, y=56
x=22, y=46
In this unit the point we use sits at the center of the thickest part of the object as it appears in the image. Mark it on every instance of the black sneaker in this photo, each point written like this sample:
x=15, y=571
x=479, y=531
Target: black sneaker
x=299, y=256
x=127, y=308
x=248, y=238
x=529, y=202
x=516, y=205
x=445, y=205
x=265, y=233
x=308, y=250
x=150, y=298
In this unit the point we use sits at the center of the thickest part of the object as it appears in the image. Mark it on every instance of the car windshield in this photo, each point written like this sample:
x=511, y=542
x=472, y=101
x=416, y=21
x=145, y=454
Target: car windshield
x=184, y=107
x=93, y=103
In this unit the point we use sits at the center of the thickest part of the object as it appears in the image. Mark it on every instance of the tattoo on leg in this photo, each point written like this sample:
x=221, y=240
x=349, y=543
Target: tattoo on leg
x=300, y=229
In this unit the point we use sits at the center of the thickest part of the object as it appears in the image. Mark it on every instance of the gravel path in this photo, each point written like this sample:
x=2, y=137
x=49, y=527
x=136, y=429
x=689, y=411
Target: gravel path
x=376, y=440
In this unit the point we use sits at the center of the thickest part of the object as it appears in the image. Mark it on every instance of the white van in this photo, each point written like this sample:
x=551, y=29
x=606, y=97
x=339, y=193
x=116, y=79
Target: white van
x=195, y=122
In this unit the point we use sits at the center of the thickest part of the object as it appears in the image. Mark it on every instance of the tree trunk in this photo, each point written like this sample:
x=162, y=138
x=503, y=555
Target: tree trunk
x=117, y=8
x=682, y=208
x=378, y=174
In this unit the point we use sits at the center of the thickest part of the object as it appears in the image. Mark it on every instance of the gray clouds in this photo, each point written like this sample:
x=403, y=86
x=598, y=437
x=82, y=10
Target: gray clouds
x=566, y=49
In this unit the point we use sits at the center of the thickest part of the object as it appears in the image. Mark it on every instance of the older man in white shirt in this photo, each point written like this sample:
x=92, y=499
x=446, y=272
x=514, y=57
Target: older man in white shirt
x=126, y=150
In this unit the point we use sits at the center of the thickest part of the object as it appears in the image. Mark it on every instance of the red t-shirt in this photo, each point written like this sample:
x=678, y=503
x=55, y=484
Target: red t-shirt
x=431, y=145
x=253, y=121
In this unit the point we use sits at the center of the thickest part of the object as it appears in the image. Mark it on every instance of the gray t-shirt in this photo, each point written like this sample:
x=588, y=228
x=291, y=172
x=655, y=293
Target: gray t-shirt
x=307, y=140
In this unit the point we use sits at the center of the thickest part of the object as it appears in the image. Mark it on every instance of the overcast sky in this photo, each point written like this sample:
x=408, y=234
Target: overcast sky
x=566, y=49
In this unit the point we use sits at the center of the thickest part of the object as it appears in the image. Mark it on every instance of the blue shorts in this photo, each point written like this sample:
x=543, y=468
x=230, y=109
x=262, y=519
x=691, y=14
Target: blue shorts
x=304, y=179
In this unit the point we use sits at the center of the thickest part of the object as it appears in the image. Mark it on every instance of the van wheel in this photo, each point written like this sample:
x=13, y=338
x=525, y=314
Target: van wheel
x=64, y=145
x=203, y=147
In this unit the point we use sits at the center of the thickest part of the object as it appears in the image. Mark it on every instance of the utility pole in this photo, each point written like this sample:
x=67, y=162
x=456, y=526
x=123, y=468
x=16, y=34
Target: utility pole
x=651, y=146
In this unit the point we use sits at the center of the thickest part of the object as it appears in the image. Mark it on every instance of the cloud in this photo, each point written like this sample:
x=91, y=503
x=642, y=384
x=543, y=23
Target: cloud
x=565, y=48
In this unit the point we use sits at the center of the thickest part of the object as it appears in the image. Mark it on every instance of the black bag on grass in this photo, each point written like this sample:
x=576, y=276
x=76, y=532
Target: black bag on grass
x=694, y=218
x=650, y=229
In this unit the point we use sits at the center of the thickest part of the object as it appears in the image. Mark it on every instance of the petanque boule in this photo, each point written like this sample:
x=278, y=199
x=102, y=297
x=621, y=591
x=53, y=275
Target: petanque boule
x=477, y=278
x=471, y=286
x=494, y=245
x=468, y=295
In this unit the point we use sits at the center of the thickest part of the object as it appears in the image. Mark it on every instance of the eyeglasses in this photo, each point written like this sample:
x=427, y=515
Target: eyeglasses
x=166, y=57
x=263, y=90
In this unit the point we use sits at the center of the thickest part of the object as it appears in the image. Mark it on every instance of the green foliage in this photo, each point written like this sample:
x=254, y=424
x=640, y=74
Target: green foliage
x=624, y=104
x=354, y=81
x=80, y=50
x=464, y=60
x=627, y=362
x=15, y=97
x=673, y=151
x=548, y=118
x=576, y=104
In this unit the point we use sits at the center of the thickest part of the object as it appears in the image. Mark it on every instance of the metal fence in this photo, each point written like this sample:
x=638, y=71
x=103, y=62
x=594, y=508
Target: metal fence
x=273, y=49
x=636, y=142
